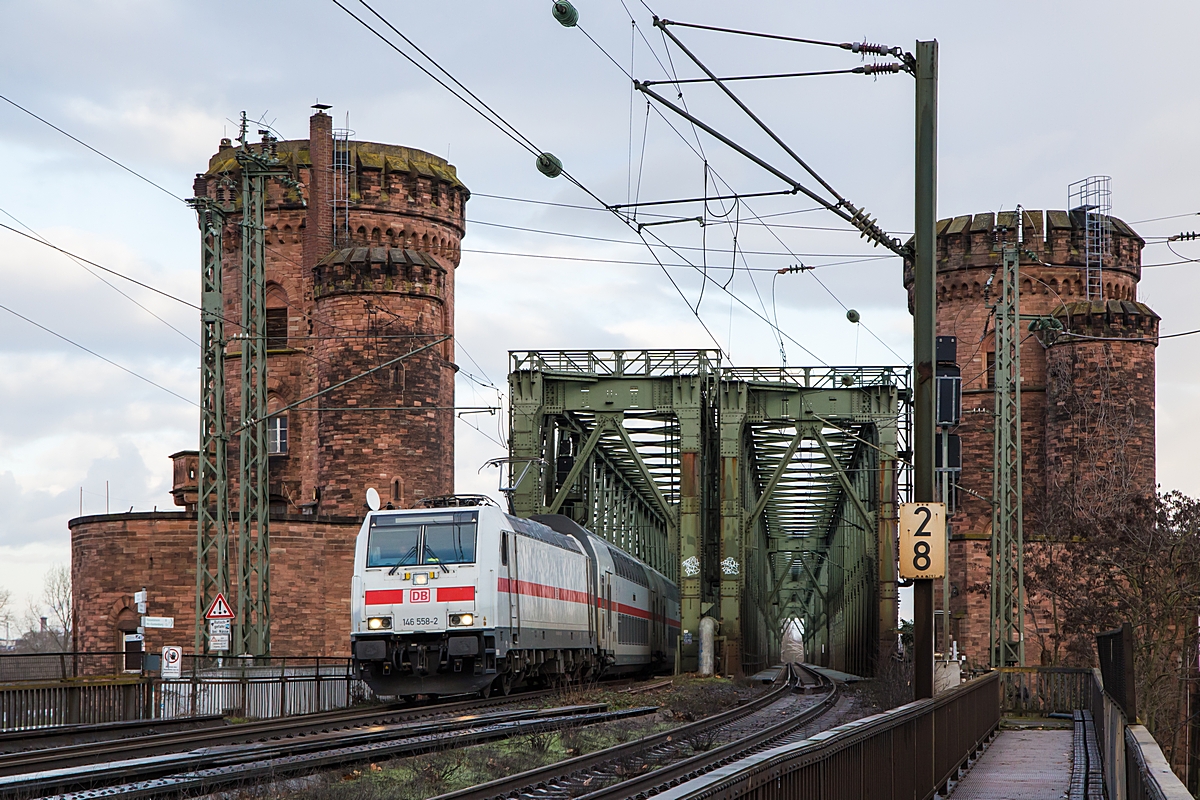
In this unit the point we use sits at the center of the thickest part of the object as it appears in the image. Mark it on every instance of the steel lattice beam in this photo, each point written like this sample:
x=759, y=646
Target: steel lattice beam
x=1008, y=536
x=212, y=480
x=770, y=492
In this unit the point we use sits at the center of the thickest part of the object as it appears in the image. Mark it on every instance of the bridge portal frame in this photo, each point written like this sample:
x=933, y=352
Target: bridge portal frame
x=768, y=494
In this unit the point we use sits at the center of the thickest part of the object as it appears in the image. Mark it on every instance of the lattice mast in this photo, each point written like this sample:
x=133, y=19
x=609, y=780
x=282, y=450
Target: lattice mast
x=1008, y=536
x=212, y=480
x=252, y=632
x=1091, y=199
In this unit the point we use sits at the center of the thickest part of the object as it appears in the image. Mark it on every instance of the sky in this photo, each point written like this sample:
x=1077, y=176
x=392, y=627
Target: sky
x=1032, y=96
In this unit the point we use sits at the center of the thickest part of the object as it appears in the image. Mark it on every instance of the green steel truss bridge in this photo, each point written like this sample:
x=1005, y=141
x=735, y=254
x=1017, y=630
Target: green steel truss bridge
x=769, y=494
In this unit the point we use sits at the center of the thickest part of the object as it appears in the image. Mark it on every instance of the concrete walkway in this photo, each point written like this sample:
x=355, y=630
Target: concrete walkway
x=1021, y=765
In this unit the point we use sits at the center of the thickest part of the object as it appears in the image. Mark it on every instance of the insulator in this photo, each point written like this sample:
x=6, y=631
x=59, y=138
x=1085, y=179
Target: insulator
x=549, y=165
x=1184, y=237
x=878, y=69
x=853, y=315
x=872, y=48
x=566, y=14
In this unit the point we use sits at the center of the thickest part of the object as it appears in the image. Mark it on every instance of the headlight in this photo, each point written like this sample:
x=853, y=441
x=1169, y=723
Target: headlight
x=379, y=623
x=462, y=619
x=420, y=578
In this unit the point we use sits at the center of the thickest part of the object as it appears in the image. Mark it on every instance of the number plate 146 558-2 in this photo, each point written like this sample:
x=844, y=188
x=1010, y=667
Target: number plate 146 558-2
x=922, y=540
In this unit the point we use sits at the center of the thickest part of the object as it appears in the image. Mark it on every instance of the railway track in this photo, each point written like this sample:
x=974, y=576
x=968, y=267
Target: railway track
x=645, y=766
x=78, y=755
x=83, y=733
x=213, y=768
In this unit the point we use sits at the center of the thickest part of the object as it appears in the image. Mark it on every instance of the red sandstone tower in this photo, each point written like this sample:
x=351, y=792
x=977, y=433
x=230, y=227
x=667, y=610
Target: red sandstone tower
x=360, y=271
x=359, y=276
x=1087, y=396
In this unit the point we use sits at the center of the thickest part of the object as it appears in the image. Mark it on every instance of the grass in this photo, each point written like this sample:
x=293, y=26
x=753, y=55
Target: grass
x=419, y=777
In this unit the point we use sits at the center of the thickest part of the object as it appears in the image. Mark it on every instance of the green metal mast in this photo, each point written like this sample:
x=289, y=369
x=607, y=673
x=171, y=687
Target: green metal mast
x=252, y=633
x=212, y=480
x=1008, y=536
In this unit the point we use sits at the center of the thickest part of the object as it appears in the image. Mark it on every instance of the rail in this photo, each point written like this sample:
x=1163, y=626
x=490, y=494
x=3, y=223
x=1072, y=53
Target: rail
x=910, y=751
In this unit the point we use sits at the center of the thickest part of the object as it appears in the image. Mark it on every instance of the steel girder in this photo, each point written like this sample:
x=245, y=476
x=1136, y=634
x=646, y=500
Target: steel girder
x=768, y=494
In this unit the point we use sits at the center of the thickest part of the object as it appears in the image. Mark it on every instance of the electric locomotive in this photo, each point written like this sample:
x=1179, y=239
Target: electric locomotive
x=470, y=599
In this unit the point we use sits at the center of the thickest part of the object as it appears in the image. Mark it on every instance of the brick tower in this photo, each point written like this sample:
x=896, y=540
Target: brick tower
x=1072, y=390
x=360, y=263
x=358, y=276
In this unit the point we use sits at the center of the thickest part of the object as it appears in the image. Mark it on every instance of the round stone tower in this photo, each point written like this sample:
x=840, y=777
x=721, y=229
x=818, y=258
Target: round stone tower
x=360, y=272
x=1070, y=387
x=361, y=247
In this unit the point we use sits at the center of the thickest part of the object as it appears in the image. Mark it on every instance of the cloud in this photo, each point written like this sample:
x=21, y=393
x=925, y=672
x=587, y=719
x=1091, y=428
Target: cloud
x=153, y=85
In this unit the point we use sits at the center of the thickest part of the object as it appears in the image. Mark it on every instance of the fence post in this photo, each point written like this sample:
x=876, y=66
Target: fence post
x=283, y=688
x=320, y=705
x=73, y=704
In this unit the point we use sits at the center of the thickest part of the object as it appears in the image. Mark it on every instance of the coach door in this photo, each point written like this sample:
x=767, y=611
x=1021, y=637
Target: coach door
x=606, y=620
x=509, y=562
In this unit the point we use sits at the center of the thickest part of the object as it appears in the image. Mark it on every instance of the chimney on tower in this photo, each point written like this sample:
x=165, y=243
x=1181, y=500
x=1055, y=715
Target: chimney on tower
x=318, y=227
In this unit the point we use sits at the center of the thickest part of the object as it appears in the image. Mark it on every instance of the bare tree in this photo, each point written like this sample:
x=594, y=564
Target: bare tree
x=6, y=613
x=49, y=622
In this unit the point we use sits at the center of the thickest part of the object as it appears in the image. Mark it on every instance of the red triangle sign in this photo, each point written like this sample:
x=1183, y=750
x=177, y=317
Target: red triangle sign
x=219, y=609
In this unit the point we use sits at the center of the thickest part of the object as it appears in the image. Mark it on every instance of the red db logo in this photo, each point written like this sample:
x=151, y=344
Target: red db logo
x=418, y=596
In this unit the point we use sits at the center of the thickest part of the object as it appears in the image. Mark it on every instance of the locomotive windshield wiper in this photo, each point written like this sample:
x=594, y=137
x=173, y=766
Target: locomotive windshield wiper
x=429, y=551
x=412, y=551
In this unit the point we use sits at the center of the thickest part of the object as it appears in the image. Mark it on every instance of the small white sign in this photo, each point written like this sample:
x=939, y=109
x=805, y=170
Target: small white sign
x=142, y=607
x=141, y=597
x=134, y=637
x=158, y=622
x=219, y=634
x=172, y=663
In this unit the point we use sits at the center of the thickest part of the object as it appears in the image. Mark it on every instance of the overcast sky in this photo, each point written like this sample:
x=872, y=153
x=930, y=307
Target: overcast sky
x=1033, y=96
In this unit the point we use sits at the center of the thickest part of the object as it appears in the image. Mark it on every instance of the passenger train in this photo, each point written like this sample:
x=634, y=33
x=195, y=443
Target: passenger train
x=471, y=599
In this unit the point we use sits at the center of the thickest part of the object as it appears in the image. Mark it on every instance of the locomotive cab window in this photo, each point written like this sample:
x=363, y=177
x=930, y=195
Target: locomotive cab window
x=450, y=541
x=409, y=540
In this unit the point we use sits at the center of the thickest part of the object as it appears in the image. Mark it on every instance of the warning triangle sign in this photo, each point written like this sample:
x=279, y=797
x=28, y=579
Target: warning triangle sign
x=219, y=609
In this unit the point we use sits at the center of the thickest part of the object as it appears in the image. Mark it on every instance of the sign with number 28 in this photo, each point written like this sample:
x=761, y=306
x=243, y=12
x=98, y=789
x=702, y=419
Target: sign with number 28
x=922, y=540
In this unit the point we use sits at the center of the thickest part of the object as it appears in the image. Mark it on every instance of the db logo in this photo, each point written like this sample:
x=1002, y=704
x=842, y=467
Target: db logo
x=418, y=596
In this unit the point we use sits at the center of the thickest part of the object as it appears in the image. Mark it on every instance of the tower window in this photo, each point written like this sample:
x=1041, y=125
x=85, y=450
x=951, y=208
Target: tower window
x=277, y=328
x=277, y=435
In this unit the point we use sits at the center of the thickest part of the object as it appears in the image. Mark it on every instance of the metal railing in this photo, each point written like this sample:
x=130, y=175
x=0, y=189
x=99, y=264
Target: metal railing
x=1041, y=691
x=1133, y=764
x=80, y=688
x=910, y=751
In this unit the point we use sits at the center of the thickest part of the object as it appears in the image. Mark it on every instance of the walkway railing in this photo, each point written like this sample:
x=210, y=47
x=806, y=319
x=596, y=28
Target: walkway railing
x=80, y=688
x=910, y=751
x=1134, y=765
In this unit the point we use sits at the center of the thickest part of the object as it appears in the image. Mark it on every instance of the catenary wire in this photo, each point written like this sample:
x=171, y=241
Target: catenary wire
x=85, y=268
x=137, y=175
x=105, y=359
